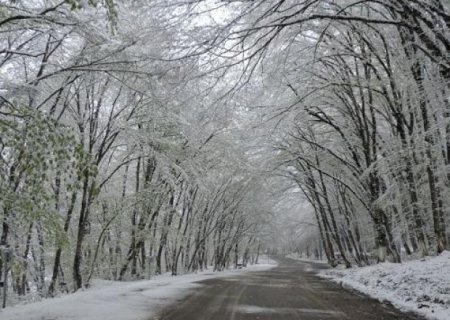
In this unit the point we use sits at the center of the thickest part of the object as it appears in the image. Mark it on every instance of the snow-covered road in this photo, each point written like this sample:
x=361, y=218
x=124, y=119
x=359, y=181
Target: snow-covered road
x=287, y=292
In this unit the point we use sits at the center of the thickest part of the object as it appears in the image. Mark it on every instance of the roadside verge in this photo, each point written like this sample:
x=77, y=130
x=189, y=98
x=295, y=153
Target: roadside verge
x=420, y=286
x=112, y=300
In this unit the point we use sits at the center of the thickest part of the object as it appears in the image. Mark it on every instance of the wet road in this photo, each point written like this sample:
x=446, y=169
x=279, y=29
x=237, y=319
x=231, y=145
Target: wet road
x=288, y=291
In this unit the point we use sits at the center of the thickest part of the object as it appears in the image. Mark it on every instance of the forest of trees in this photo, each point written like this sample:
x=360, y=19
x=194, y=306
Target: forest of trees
x=142, y=137
x=369, y=121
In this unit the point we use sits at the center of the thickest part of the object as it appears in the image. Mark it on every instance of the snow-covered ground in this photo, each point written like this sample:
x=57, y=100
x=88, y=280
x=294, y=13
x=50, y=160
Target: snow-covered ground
x=421, y=286
x=120, y=300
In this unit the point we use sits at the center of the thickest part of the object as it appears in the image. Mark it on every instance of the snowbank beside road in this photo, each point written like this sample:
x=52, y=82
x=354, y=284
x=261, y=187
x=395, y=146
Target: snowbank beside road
x=421, y=286
x=120, y=300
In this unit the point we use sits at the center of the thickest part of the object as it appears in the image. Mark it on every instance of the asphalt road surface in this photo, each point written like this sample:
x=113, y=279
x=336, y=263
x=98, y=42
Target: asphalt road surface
x=288, y=291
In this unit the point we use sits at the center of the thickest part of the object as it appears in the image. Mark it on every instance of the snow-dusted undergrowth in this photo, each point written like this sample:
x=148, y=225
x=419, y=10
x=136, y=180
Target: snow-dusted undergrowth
x=421, y=286
x=298, y=257
x=120, y=300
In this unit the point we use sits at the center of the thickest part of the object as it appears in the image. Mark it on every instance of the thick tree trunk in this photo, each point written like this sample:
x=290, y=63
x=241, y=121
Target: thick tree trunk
x=82, y=230
x=57, y=262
